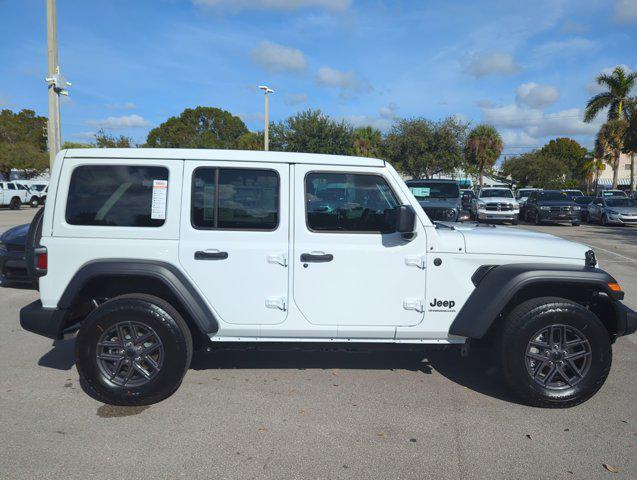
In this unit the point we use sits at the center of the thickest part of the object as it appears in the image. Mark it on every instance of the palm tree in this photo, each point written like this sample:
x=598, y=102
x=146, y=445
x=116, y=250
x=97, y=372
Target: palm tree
x=610, y=142
x=367, y=142
x=483, y=148
x=619, y=84
x=631, y=138
x=591, y=168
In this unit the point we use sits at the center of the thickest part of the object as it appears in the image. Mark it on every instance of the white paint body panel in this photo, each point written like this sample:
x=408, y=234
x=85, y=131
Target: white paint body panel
x=358, y=297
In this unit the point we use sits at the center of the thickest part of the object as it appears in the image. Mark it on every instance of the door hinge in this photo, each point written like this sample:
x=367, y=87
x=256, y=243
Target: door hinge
x=419, y=261
x=414, y=304
x=279, y=258
x=276, y=302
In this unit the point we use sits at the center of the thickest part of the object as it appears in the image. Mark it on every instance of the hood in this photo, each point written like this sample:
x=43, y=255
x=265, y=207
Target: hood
x=487, y=239
x=624, y=210
x=557, y=203
x=440, y=203
x=16, y=235
x=497, y=200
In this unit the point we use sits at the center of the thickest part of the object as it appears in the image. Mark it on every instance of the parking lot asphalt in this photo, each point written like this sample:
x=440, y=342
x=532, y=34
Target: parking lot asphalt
x=316, y=413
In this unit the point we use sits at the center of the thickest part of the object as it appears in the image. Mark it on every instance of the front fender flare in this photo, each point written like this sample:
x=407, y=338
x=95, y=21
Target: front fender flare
x=500, y=284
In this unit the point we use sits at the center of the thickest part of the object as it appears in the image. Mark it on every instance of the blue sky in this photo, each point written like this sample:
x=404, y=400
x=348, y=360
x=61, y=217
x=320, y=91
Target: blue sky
x=527, y=67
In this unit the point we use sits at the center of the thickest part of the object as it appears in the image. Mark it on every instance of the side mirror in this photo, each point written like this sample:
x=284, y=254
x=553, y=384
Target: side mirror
x=405, y=219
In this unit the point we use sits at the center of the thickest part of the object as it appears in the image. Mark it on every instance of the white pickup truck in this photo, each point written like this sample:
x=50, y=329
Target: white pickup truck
x=13, y=195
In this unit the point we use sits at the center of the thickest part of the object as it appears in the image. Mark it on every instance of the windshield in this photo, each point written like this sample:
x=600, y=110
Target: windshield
x=496, y=192
x=574, y=193
x=620, y=202
x=561, y=196
x=37, y=188
x=424, y=190
x=615, y=193
x=524, y=193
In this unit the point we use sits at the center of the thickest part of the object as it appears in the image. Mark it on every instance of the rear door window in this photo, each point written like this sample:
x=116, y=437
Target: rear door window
x=117, y=196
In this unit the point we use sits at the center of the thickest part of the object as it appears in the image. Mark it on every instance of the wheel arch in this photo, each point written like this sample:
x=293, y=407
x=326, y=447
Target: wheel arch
x=500, y=288
x=110, y=278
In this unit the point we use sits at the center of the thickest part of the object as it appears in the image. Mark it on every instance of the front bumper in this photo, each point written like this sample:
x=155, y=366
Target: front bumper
x=48, y=322
x=550, y=216
x=621, y=219
x=626, y=319
x=498, y=215
x=13, y=267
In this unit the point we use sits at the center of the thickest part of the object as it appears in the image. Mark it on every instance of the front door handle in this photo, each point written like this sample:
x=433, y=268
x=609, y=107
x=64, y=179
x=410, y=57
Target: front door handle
x=210, y=255
x=316, y=257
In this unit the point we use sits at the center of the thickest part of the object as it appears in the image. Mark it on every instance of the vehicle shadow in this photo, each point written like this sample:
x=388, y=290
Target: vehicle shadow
x=476, y=372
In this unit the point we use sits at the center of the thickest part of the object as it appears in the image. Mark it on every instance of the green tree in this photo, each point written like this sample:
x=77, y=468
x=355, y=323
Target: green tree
x=538, y=169
x=368, y=142
x=312, y=131
x=251, y=141
x=483, y=148
x=201, y=127
x=610, y=143
x=618, y=84
x=22, y=143
x=630, y=145
x=419, y=147
x=572, y=154
x=106, y=140
x=68, y=145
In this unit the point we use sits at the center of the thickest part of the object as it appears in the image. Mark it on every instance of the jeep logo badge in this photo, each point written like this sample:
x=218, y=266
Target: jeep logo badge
x=442, y=303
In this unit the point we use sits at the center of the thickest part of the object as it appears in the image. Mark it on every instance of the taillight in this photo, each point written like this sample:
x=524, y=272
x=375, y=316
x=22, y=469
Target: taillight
x=41, y=261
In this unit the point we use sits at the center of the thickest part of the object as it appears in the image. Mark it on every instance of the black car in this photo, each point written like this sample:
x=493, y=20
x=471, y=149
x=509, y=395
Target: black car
x=13, y=268
x=440, y=199
x=552, y=206
x=467, y=196
x=584, y=201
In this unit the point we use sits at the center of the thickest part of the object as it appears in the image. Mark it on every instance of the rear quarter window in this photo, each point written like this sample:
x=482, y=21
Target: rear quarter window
x=117, y=196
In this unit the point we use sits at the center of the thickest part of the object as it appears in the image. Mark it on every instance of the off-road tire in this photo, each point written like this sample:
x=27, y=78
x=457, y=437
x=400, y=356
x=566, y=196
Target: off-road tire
x=34, y=202
x=576, y=224
x=520, y=326
x=148, y=310
x=15, y=203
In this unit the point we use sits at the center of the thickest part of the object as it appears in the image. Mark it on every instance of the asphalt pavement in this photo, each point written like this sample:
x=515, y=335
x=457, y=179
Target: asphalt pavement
x=316, y=413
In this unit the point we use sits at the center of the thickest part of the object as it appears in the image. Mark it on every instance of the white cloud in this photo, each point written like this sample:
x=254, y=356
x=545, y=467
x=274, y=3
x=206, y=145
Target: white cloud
x=382, y=124
x=495, y=63
x=389, y=111
x=279, y=58
x=535, y=95
x=117, y=123
x=512, y=116
x=565, y=48
x=295, y=98
x=344, y=80
x=626, y=11
x=122, y=106
x=332, y=5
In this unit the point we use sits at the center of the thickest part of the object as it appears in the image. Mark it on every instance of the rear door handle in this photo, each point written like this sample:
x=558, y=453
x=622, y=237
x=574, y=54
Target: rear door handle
x=316, y=257
x=210, y=255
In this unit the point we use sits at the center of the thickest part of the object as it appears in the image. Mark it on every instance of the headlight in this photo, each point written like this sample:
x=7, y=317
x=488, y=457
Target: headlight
x=577, y=208
x=545, y=208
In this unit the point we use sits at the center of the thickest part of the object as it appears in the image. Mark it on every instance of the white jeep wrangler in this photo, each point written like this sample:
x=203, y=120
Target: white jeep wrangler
x=154, y=253
x=14, y=194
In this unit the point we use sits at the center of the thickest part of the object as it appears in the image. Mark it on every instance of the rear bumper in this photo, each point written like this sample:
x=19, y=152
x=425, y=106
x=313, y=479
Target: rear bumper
x=48, y=322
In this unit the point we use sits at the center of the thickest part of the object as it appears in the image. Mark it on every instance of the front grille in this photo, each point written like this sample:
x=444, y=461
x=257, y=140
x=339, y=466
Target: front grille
x=561, y=209
x=499, y=207
x=440, y=213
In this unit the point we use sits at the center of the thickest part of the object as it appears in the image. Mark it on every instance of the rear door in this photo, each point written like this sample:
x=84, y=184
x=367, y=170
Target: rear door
x=347, y=272
x=234, y=238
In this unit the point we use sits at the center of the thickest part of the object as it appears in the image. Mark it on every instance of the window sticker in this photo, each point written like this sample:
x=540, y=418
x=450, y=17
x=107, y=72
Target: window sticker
x=158, y=205
x=420, y=191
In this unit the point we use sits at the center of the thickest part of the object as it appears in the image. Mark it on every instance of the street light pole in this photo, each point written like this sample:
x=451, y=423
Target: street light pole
x=266, y=131
x=53, y=133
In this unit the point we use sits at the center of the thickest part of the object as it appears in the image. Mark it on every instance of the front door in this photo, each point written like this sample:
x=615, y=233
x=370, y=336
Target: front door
x=234, y=238
x=348, y=270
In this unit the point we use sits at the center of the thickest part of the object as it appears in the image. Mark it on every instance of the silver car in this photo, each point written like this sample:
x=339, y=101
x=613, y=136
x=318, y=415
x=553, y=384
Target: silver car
x=613, y=210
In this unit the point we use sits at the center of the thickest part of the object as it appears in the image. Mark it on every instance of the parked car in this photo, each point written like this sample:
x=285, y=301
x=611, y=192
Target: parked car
x=495, y=204
x=521, y=195
x=611, y=193
x=552, y=206
x=572, y=194
x=613, y=210
x=440, y=199
x=153, y=253
x=13, y=267
x=584, y=202
x=14, y=195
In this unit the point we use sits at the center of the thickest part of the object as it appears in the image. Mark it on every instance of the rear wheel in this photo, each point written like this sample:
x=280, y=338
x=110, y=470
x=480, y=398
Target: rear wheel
x=15, y=203
x=554, y=352
x=35, y=202
x=133, y=350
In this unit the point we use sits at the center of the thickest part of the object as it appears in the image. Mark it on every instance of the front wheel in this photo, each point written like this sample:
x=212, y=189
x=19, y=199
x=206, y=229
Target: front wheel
x=554, y=352
x=34, y=202
x=133, y=350
x=15, y=203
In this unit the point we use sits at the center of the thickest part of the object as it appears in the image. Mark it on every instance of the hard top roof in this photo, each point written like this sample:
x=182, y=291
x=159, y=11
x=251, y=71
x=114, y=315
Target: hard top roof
x=431, y=180
x=221, y=155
